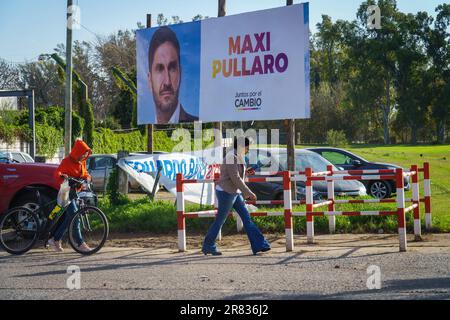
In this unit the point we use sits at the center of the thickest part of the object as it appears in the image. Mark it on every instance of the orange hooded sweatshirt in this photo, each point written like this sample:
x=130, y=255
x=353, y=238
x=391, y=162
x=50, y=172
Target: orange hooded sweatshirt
x=70, y=165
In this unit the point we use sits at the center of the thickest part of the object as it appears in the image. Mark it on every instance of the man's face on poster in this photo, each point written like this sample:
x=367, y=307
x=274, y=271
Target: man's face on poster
x=164, y=78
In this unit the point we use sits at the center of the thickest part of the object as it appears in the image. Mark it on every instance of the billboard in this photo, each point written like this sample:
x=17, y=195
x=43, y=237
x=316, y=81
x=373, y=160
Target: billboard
x=252, y=66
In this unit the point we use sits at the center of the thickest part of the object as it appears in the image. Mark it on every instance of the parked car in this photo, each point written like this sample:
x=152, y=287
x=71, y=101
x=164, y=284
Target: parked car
x=14, y=157
x=16, y=178
x=349, y=161
x=276, y=160
x=100, y=166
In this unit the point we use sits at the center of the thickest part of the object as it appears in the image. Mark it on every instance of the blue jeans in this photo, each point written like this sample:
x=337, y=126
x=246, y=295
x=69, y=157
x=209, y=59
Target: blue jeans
x=61, y=230
x=226, y=202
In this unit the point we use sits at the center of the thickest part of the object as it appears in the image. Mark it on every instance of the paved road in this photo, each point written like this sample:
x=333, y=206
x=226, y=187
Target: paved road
x=335, y=268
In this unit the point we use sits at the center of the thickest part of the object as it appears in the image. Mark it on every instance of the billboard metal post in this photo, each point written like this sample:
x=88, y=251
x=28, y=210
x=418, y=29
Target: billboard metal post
x=68, y=94
x=290, y=128
x=218, y=125
x=150, y=126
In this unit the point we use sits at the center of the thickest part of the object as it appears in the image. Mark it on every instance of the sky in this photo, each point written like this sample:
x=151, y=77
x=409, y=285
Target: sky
x=29, y=28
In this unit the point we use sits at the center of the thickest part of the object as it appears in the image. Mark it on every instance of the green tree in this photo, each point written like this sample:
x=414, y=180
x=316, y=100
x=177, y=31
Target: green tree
x=410, y=75
x=437, y=42
x=43, y=77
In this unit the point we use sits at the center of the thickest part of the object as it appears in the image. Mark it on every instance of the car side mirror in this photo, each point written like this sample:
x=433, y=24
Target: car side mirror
x=340, y=168
x=356, y=163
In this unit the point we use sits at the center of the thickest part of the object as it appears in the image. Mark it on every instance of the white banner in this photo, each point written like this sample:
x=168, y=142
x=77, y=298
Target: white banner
x=251, y=66
x=197, y=165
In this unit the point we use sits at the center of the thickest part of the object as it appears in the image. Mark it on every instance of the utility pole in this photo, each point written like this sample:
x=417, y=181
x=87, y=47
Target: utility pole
x=222, y=8
x=68, y=94
x=150, y=126
x=290, y=128
x=32, y=122
x=218, y=125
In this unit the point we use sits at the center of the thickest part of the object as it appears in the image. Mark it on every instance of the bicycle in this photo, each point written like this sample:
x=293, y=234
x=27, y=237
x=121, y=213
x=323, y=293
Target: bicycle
x=21, y=227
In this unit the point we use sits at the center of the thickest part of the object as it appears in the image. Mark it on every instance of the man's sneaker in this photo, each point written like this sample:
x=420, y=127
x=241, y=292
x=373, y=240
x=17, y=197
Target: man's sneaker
x=84, y=247
x=55, y=245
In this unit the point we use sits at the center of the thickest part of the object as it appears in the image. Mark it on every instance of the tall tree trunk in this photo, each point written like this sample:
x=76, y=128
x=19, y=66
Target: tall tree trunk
x=386, y=112
x=414, y=134
x=441, y=131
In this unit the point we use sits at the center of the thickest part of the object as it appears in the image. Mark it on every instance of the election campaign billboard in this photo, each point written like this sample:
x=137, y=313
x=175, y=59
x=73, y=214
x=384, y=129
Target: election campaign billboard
x=251, y=66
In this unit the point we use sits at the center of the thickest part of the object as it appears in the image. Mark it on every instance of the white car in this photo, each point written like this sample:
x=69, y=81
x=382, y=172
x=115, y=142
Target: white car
x=14, y=157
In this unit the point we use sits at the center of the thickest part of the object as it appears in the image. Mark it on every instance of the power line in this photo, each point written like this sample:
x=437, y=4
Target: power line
x=90, y=31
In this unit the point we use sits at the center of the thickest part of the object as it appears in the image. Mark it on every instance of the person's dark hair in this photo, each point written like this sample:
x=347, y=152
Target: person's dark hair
x=238, y=140
x=162, y=35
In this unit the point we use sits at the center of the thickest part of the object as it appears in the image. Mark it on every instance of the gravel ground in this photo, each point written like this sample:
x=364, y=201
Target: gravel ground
x=143, y=267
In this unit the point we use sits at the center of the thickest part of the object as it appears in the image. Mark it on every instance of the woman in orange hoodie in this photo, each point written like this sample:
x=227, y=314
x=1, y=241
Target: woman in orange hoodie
x=72, y=166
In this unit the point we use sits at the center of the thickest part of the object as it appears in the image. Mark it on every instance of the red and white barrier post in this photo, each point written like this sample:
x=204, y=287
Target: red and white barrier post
x=427, y=194
x=309, y=207
x=401, y=209
x=330, y=191
x=288, y=221
x=180, y=214
x=416, y=200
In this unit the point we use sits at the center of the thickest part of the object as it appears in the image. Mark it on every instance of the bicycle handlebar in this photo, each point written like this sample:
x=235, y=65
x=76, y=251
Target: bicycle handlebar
x=74, y=182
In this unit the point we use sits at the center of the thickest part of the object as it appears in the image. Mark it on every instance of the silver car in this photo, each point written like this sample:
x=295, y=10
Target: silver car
x=100, y=166
x=275, y=159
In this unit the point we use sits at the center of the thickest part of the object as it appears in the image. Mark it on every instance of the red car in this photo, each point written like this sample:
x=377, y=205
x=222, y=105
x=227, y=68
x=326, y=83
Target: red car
x=16, y=177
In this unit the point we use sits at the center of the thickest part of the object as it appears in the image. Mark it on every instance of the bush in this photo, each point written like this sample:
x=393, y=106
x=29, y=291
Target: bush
x=48, y=140
x=114, y=196
x=108, y=123
x=53, y=116
x=106, y=141
x=8, y=132
x=336, y=138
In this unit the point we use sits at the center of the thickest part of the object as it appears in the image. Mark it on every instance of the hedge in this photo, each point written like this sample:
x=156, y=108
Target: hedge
x=106, y=141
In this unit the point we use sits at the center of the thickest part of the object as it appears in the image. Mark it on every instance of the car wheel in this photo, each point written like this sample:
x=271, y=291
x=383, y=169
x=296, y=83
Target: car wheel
x=380, y=189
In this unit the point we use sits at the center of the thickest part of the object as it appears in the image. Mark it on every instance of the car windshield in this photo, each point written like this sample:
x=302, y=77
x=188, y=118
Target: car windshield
x=307, y=160
x=260, y=161
x=3, y=157
x=27, y=157
x=257, y=159
x=18, y=157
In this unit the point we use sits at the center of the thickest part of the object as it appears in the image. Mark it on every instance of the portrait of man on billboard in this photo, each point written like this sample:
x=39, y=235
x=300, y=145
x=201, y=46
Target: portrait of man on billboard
x=164, y=77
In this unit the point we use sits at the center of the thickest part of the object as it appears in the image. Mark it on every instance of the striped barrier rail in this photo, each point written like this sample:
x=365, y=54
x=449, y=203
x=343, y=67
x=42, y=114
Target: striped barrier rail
x=182, y=215
x=286, y=177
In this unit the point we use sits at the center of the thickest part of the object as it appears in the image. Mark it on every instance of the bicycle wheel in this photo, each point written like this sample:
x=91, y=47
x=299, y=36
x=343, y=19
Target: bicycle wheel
x=19, y=230
x=91, y=226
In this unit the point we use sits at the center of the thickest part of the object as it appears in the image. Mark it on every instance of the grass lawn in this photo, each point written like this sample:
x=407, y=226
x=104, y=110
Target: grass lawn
x=406, y=155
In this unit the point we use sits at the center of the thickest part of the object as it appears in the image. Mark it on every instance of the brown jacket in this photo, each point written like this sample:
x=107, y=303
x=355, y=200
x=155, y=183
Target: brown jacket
x=232, y=175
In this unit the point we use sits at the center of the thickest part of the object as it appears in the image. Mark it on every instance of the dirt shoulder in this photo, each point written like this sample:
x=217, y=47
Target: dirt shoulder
x=362, y=242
